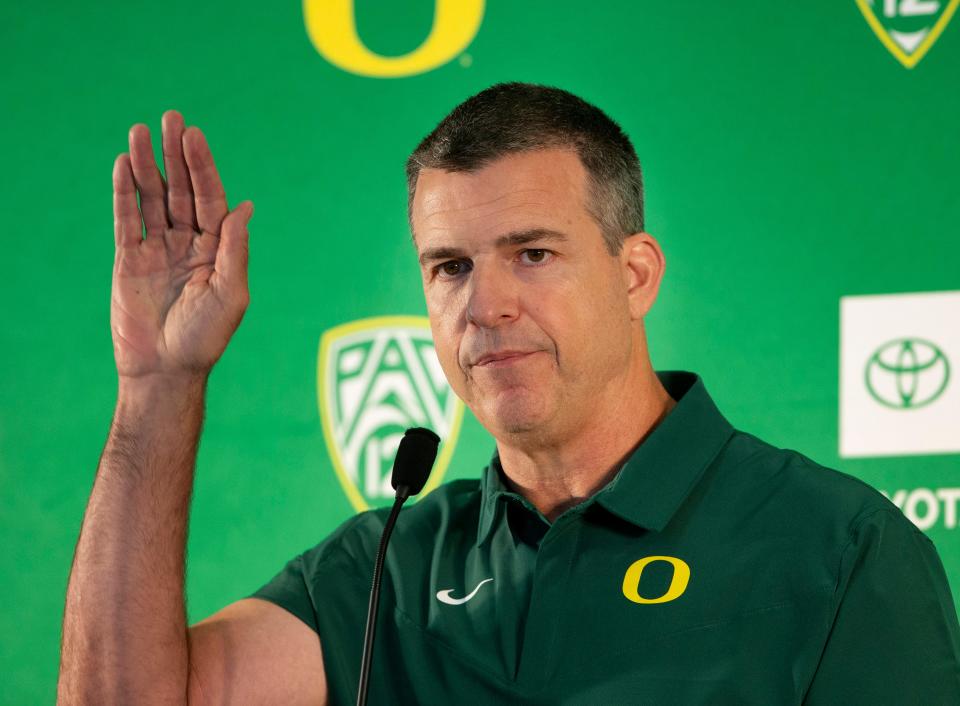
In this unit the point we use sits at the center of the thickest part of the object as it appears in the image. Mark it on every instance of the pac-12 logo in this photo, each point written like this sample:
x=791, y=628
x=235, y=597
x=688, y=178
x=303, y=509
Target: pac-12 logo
x=375, y=378
x=332, y=27
x=908, y=28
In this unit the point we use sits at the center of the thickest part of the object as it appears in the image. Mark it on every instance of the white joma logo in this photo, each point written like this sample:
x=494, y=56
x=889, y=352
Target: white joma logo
x=445, y=597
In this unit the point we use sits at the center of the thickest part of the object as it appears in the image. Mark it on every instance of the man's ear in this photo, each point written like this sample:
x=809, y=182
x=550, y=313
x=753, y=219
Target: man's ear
x=643, y=265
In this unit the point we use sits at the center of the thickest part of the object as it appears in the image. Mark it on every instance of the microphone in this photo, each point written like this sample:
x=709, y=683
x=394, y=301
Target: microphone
x=414, y=461
x=411, y=468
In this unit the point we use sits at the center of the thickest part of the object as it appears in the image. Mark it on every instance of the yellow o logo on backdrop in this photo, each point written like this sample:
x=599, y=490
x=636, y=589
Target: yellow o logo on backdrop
x=631, y=579
x=332, y=27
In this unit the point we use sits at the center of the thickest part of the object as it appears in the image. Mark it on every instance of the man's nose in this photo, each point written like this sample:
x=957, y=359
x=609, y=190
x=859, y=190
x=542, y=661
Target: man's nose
x=492, y=298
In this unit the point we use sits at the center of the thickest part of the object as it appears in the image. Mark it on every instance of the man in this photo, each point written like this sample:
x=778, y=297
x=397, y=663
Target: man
x=625, y=544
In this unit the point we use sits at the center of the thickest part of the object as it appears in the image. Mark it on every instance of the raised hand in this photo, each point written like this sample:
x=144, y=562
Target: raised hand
x=180, y=293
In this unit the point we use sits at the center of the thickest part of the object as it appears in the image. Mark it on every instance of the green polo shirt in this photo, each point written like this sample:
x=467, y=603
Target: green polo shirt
x=713, y=569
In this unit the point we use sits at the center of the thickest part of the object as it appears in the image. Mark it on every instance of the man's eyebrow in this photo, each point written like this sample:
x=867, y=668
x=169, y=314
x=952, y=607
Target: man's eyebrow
x=522, y=237
x=517, y=237
x=442, y=253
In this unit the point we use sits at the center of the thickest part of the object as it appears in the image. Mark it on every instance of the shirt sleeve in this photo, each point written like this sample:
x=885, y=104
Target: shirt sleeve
x=288, y=589
x=895, y=639
x=328, y=588
x=315, y=577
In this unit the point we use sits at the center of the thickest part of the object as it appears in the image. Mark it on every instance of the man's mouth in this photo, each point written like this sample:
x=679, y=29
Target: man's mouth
x=501, y=358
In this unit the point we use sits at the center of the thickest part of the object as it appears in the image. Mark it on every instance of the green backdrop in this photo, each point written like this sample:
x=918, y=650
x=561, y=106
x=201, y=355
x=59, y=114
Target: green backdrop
x=790, y=159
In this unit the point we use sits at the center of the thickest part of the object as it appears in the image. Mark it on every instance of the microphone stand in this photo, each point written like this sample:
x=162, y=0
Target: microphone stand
x=402, y=495
x=411, y=468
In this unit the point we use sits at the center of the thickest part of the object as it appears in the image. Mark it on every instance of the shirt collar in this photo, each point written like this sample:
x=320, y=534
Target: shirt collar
x=492, y=488
x=660, y=472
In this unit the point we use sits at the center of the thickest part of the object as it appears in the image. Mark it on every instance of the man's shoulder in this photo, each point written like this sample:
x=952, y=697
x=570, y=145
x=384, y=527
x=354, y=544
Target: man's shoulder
x=439, y=506
x=768, y=478
x=454, y=504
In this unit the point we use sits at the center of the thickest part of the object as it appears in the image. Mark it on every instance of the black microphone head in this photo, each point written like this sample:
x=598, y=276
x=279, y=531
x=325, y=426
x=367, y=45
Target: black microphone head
x=414, y=460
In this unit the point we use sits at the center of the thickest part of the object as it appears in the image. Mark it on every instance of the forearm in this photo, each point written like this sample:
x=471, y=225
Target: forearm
x=124, y=631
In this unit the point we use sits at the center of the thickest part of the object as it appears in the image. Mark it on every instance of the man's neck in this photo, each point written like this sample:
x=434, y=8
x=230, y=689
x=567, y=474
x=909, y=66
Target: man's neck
x=557, y=477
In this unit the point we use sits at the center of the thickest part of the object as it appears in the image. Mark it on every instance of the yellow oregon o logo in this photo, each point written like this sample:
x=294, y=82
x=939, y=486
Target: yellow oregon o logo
x=631, y=579
x=332, y=27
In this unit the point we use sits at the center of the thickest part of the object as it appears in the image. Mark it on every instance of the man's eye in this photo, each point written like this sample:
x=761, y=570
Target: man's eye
x=451, y=268
x=535, y=255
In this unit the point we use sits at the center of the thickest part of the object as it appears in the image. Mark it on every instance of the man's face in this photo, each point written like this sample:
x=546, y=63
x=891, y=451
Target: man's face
x=529, y=311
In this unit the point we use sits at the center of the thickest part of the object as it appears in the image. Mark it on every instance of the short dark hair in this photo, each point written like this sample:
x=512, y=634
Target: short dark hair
x=519, y=117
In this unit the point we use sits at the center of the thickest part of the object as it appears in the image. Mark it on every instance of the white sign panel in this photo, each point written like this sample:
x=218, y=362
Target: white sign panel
x=899, y=383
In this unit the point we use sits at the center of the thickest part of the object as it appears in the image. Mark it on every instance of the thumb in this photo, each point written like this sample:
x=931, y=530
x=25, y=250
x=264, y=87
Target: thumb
x=233, y=251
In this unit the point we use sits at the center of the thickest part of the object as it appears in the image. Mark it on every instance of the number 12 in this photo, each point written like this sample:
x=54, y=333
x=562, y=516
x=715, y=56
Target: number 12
x=910, y=8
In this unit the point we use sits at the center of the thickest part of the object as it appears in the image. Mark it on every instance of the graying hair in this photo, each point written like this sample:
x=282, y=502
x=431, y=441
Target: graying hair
x=509, y=118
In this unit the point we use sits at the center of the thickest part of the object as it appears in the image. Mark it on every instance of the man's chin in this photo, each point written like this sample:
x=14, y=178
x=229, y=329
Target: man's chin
x=514, y=414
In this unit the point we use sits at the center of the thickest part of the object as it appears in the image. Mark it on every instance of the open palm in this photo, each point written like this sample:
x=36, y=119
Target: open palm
x=180, y=292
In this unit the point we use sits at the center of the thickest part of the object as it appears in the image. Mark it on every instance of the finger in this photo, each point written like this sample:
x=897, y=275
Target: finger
x=127, y=227
x=179, y=191
x=209, y=197
x=233, y=250
x=148, y=179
